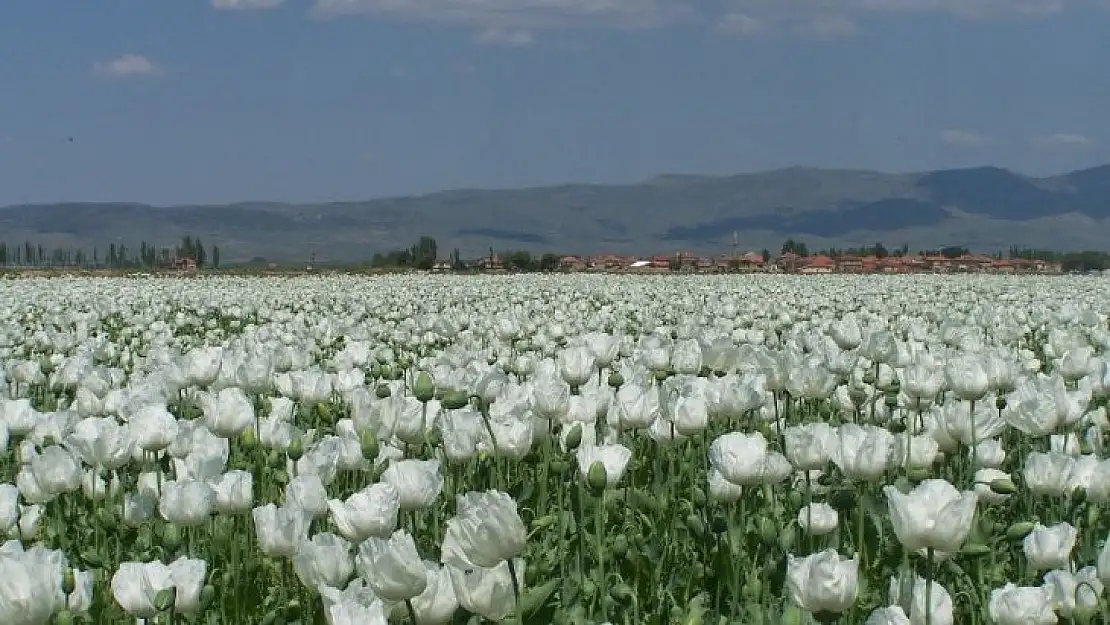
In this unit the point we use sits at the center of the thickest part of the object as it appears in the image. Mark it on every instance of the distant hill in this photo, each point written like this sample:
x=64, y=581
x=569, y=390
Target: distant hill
x=982, y=208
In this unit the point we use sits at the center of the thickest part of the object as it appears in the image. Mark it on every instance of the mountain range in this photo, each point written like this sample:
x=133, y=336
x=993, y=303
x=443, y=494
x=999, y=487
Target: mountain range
x=983, y=208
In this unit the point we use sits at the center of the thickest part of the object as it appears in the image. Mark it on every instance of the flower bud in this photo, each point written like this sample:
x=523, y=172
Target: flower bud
x=697, y=497
x=370, y=447
x=597, y=478
x=1019, y=530
x=768, y=531
x=249, y=438
x=1003, y=486
x=171, y=536
x=574, y=437
x=296, y=448
x=975, y=551
x=69, y=581
x=695, y=525
x=424, y=388
x=207, y=595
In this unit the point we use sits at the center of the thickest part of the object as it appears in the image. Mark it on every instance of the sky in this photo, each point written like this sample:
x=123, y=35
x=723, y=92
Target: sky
x=211, y=101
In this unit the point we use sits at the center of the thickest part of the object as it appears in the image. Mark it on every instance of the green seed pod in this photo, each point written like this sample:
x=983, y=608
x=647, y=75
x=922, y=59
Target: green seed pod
x=1003, y=486
x=896, y=427
x=424, y=387
x=454, y=400
x=892, y=401
x=661, y=374
x=1000, y=403
x=165, y=599
x=1019, y=530
x=574, y=437
x=616, y=380
x=826, y=618
x=596, y=478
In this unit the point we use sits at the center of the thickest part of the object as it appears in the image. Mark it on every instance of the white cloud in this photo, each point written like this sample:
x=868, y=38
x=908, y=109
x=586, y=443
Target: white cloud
x=820, y=18
x=826, y=27
x=245, y=5
x=127, y=66
x=963, y=138
x=739, y=24
x=509, y=15
x=1063, y=140
x=500, y=37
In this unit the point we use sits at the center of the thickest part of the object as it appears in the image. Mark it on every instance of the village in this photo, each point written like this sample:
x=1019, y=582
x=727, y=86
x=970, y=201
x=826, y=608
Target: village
x=754, y=262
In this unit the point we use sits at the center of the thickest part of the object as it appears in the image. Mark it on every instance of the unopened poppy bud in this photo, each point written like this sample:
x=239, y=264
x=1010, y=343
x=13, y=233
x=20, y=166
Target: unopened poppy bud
x=1003, y=486
x=323, y=412
x=597, y=478
x=697, y=497
x=975, y=551
x=248, y=439
x=768, y=531
x=207, y=595
x=382, y=391
x=574, y=437
x=69, y=581
x=171, y=536
x=386, y=372
x=165, y=599
x=370, y=447
x=1078, y=495
x=296, y=448
x=424, y=388
x=1019, y=530
x=695, y=525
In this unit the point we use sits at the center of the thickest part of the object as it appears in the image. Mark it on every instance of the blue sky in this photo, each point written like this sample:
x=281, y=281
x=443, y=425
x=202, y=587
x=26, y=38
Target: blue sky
x=199, y=101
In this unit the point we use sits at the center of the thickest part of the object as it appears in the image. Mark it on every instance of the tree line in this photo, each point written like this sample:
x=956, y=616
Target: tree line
x=115, y=255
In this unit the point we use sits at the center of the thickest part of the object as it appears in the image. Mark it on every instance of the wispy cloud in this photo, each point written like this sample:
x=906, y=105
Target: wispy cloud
x=809, y=18
x=500, y=37
x=1063, y=140
x=128, y=66
x=963, y=138
x=246, y=5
